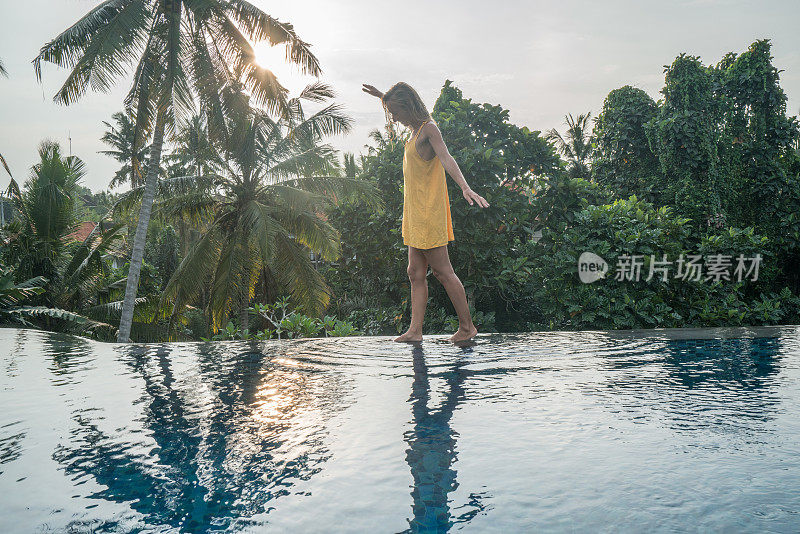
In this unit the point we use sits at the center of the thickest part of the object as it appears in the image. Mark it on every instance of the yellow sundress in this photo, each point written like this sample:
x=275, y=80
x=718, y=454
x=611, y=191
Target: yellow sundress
x=426, y=205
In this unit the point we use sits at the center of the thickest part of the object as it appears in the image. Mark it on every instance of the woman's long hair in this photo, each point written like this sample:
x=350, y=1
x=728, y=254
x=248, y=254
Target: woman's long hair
x=407, y=98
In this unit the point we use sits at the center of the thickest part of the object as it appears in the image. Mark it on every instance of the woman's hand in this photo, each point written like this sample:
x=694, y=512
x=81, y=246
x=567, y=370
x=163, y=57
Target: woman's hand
x=472, y=196
x=370, y=90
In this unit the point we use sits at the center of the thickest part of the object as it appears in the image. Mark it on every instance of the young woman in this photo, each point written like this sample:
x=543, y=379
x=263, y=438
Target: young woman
x=427, y=227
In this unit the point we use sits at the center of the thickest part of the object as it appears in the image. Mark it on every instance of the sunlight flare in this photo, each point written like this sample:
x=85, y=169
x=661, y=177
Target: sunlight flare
x=274, y=58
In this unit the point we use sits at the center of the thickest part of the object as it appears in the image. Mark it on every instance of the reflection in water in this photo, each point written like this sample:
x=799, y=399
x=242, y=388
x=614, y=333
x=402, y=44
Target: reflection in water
x=11, y=437
x=721, y=385
x=587, y=430
x=222, y=447
x=746, y=363
x=432, y=450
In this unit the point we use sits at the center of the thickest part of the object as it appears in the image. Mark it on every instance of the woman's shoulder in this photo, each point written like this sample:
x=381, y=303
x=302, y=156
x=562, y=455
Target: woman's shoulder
x=429, y=126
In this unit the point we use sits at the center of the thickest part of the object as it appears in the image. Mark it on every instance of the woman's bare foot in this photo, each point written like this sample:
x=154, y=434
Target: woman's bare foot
x=464, y=334
x=409, y=336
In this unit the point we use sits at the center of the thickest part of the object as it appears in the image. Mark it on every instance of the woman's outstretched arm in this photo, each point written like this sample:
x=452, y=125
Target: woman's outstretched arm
x=434, y=136
x=371, y=90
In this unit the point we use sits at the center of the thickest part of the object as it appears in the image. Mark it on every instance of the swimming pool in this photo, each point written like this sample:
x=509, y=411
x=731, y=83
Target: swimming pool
x=645, y=431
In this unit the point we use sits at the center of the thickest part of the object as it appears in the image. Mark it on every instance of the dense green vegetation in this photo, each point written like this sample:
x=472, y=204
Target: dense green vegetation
x=259, y=229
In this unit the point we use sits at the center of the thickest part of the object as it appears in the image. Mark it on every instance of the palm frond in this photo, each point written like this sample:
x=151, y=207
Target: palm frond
x=99, y=48
x=210, y=80
x=326, y=122
x=235, y=273
x=193, y=207
x=66, y=49
x=304, y=158
x=259, y=222
x=140, y=98
x=147, y=309
x=87, y=260
x=317, y=91
x=84, y=323
x=340, y=189
x=198, y=265
x=308, y=229
x=168, y=187
x=12, y=294
x=296, y=273
x=5, y=165
x=258, y=26
x=111, y=311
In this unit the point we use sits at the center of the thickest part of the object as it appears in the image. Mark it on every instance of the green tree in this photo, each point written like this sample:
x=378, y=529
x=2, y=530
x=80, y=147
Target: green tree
x=16, y=306
x=4, y=72
x=622, y=159
x=74, y=276
x=192, y=154
x=45, y=213
x=725, y=148
x=266, y=209
x=162, y=253
x=577, y=147
x=756, y=150
x=182, y=49
x=683, y=135
x=121, y=139
x=368, y=274
x=352, y=167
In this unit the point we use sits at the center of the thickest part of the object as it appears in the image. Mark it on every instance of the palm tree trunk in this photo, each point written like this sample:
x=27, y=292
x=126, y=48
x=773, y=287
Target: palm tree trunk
x=141, y=231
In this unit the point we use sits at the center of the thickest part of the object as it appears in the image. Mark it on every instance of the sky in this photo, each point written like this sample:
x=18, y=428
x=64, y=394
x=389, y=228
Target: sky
x=541, y=60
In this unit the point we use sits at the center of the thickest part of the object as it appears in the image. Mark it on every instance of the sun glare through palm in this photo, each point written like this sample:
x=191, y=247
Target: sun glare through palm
x=274, y=59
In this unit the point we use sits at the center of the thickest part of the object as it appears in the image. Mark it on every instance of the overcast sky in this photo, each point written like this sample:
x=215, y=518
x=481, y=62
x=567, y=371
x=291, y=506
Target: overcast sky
x=539, y=59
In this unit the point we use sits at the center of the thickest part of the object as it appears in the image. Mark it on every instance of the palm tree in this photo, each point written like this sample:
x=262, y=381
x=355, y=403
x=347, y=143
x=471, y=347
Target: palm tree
x=4, y=72
x=351, y=166
x=4, y=164
x=45, y=210
x=35, y=242
x=192, y=155
x=577, y=147
x=182, y=49
x=121, y=139
x=266, y=208
x=192, y=152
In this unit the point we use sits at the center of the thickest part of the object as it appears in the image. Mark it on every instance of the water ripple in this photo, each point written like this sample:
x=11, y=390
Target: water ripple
x=557, y=431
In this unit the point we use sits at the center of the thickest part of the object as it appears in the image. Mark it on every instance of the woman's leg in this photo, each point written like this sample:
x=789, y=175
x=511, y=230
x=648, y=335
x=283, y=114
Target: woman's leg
x=418, y=276
x=439, y=260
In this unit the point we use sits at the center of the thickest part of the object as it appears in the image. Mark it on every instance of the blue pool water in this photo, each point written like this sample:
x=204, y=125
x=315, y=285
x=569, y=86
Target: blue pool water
x=557, y=432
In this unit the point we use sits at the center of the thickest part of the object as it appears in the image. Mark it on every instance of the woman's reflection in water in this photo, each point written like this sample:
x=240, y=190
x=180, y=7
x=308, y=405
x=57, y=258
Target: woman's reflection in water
x=431, y=449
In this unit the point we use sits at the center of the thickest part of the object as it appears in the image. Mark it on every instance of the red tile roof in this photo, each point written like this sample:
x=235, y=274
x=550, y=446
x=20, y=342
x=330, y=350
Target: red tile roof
x=82, y=231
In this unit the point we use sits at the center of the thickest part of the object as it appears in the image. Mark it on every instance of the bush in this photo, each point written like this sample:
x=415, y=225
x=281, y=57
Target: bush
x=628, y=227
x=378, y=321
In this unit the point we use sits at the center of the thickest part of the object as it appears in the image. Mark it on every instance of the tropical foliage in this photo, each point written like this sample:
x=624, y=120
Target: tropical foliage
x=46, y=214
x=265, y=208
x=121, y=139
x=576, y=148
x=15, y=307
x=260, y=231
x=182, y=50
